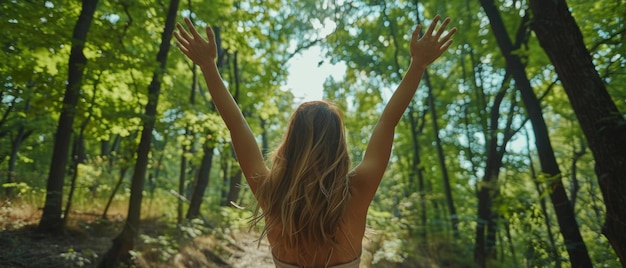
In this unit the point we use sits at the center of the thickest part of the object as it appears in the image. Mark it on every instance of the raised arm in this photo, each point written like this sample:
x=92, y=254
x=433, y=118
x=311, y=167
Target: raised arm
x=424, y=50
x=203, y=53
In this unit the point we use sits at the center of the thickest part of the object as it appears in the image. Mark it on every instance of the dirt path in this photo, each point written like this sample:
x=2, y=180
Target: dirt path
x=251, y=254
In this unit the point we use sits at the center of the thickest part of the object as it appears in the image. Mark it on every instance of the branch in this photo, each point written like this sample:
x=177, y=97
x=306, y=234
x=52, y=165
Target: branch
x=606, y=41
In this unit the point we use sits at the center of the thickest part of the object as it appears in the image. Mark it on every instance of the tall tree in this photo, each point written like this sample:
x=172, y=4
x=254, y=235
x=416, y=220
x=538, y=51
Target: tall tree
x=447, y=189
x=602, y=123
x=576, y=248
x=497, y=140
x=125, y=240
x=51, y=221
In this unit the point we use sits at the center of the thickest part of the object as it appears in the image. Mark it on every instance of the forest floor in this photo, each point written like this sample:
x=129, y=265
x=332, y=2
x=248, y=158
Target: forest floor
x=87, y=239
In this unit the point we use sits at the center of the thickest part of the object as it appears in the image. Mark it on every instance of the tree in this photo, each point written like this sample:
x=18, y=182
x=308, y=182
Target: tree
x=51, y=221
x=576, y=247
x=125, y=240
x=602, y=123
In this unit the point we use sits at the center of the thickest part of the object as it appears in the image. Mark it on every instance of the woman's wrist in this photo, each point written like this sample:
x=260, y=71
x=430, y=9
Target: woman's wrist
x=208, y=65
x=417, y=66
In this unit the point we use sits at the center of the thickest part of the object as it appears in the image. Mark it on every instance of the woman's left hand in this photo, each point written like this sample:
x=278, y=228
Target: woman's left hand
x=201, y=51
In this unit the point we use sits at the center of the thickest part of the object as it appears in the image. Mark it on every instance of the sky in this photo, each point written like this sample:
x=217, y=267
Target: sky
x=306, y=78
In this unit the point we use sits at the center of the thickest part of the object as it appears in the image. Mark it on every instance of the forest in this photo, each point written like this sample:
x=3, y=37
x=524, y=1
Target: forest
x=511, y=154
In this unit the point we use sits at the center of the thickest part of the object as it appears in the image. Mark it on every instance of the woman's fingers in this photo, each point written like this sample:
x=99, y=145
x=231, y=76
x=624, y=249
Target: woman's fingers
x=416, y=33
x=448, y=35
x=209, y=33
x=431, y=28
x=192, y=29
x=442, y=28
x=182, y=33
x=445, y=46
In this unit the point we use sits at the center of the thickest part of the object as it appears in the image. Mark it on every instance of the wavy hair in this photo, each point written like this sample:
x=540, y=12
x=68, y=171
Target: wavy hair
x=305, y=195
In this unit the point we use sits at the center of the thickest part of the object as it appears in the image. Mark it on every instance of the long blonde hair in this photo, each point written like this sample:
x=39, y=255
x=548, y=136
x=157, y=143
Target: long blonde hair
x=307, y=189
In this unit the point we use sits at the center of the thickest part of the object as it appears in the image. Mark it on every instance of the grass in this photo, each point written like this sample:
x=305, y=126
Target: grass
x=162, y=243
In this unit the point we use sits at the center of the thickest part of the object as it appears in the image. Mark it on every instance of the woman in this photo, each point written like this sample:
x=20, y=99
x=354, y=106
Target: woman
x=313, y=205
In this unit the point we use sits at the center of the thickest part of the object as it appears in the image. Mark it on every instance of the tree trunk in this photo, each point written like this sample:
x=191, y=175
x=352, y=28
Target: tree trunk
x=454, y=219
x=226, y=167
x=554, y=253
x=77, y=151
x=575, y=245
x=202, y=180
x=601, y=122
x=125, y=241
x=20, y=136
x=575, y=185
x=51, y=221
x=234, y=188
x=416, y=170
x=78, y=155
x=117, y=187
x=181, y=179
x=488, y=190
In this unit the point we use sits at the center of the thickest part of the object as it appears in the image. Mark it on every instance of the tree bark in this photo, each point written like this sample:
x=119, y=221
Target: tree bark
x=114, y=191
x=202, y=181
x=416, y=170
x=51, y=221
x=182, y=178
x=234, y=188
x=454, y=219
x=16, y=143
x=576, y=248
x=78, y=155
x=602, y=123
x=125, y=241
x=485, y=244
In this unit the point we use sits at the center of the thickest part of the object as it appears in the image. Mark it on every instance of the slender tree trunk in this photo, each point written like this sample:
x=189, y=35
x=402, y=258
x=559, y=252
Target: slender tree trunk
x=78, y=151
x=507, y=227
x=125, y=241
x=416, y=170
x=226, y=167
x=554, y=253
x=576, y=247
x=602, y=123
x=181, y=179
x=440, y=156
x=115, y=189
x=186, y=148
x=51, y=221
x=234, y=188
x=485, y=242
x=20, y=136
x=454, y=219
x=204, y=173
x=78, y=155
x=575, y=185
x=202, y=181
x=416, y=130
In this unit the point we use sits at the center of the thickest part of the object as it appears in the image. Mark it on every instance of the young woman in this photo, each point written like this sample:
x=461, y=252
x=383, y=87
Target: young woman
x=313, y=205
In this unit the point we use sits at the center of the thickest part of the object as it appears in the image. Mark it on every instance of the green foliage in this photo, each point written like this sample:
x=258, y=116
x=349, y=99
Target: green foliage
x=21, y=187
x=164, y=246
x=78, y=259
x=371, y=38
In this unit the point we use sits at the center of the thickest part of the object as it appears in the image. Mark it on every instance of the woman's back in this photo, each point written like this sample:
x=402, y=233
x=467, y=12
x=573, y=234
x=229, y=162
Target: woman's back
x=348, y=239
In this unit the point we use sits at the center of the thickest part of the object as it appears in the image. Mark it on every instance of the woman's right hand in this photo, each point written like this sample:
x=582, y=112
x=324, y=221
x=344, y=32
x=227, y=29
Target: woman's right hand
x=427, y=48
x=201, y=51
